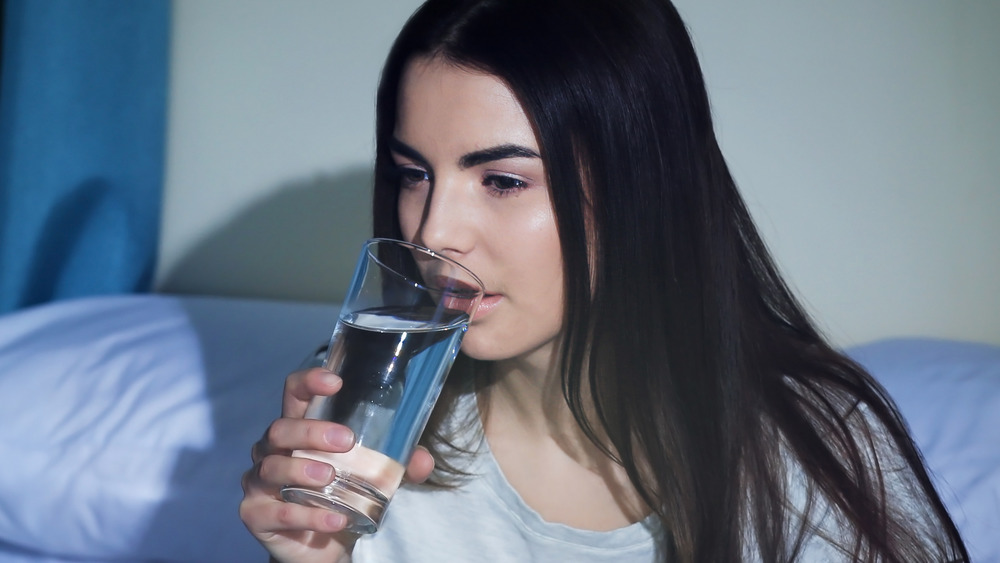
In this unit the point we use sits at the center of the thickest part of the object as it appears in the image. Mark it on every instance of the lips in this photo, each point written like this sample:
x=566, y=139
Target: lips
x=456, y=294
x=488, y=303
x=458, y=290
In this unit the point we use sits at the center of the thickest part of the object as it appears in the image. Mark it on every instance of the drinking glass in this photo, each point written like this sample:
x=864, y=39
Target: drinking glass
x=397, y=336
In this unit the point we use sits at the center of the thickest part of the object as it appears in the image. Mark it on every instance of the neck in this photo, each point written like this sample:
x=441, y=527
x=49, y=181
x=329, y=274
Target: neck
x=546, y=456
x=526, y=399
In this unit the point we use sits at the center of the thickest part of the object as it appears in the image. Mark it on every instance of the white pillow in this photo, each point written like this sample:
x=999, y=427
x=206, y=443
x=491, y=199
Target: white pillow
x=949, y=393
x=127, y=421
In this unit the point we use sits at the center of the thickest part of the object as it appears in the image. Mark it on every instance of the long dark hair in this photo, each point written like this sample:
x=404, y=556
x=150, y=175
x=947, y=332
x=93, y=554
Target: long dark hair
x=682, y=345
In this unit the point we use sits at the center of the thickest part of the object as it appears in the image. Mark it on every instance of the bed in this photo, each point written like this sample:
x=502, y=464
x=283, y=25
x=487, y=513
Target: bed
x=127, y=421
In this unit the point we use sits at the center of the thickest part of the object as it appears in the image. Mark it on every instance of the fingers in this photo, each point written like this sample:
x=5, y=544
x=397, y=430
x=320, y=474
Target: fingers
x=264, y=515
x=276, y=471
x=270, y=519
x=302, y=386
x=262, y=509
x=421, y=465
x=272, y=459
x=288, y=434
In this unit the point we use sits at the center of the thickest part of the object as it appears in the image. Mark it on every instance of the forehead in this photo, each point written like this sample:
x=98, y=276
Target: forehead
x=440, y=101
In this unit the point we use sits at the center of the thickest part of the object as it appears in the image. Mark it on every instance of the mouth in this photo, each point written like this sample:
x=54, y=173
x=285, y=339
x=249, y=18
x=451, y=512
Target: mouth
x=454, y=285
x=486, y=305
x=456, y=294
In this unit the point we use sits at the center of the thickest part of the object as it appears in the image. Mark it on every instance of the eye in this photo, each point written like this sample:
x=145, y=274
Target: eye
x=502, y=185
x=410, y=177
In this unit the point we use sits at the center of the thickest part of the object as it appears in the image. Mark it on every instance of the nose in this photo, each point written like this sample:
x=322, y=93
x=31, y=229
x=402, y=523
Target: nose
x=445, y=224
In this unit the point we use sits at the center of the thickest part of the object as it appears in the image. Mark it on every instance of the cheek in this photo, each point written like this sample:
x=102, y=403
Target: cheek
x=542, y=267
x=541, y=232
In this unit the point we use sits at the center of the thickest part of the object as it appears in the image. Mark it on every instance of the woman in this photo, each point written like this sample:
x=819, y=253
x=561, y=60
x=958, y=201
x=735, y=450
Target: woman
x=639, y=384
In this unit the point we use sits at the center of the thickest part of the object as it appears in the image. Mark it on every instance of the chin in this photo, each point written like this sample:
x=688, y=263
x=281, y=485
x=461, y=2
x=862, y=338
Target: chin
x=476, y=351
x=483, y=346
x=480, y=345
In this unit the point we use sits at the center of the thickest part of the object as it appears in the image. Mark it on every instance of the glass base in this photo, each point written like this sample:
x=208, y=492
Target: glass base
x=363, y=504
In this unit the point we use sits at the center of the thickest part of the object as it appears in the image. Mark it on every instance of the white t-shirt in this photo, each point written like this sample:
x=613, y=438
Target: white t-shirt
x=484, y=519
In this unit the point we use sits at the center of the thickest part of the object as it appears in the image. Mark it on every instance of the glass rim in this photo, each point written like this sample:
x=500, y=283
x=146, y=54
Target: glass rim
x=372, y=242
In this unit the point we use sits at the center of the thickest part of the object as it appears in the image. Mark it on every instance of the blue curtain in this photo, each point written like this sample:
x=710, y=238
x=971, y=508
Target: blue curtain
x=82, y=123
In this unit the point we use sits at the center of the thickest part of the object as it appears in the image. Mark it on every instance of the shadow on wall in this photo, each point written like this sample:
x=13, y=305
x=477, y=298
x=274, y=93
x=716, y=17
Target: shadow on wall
x=298, y=243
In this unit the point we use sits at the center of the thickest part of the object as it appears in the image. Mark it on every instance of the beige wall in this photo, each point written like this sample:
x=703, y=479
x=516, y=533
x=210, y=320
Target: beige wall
x=865, y=136
x=270, y=143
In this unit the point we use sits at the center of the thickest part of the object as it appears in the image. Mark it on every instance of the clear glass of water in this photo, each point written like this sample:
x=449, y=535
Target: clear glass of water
x=397, y=335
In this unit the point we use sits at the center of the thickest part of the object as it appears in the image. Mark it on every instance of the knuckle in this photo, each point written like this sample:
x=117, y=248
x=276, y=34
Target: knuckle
x=246, y=515
x=268, y=469
x=285, y=515
x=275, y=432
x=307, y=377
x=314, y=435
x=251, y=516
x=294, y=379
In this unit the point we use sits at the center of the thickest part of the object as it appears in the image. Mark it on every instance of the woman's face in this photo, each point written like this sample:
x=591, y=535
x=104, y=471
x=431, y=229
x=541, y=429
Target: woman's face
x=473, y=186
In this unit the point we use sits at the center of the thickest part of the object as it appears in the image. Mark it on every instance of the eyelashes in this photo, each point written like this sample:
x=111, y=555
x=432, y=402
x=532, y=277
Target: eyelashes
x=409, y=177
x=502, y=185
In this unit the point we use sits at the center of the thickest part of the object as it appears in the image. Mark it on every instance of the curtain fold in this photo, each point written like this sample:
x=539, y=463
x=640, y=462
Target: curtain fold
x=83, y=88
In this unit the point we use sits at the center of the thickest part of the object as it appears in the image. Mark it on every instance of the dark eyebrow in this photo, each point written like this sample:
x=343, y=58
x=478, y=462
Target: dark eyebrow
x=401, y=148
x=491, y=154
x=469, y=160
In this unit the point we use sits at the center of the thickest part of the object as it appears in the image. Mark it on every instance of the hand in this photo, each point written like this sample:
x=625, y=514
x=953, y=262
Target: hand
x=293, y=532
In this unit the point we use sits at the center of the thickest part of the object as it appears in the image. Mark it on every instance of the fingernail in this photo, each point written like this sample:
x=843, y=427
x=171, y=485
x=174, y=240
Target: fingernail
x=336, y=520
x=340, y=437
x=319, y=472
x=329, y=378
